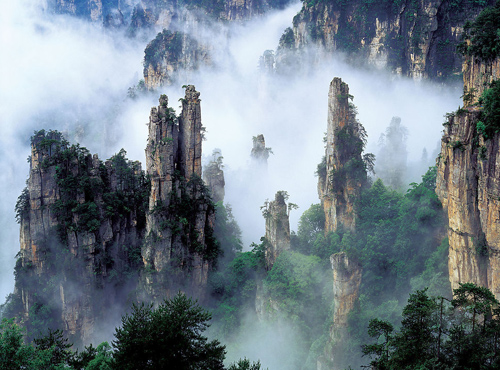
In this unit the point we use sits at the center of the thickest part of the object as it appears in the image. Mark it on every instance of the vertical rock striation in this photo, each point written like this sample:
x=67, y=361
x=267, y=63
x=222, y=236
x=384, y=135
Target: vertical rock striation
x=346, y=282
x=342, y=174
x=412, y=38
x=82, y=222
x=179, y=246
x=277, y=228
x=213, y=176
x=91, y=232
x=468, y=185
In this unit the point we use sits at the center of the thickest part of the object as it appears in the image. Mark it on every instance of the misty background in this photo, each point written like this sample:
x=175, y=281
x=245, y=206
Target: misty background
x=58, y=72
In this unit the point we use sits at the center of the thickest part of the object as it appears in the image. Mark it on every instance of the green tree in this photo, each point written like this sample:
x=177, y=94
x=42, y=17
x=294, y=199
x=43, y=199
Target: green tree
x=167, y=337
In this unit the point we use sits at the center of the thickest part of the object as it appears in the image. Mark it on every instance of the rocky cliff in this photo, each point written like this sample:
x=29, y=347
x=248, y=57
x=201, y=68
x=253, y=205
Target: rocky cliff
x=412, y=38
x=179, y=245
x=346, y=282
x=343, y=171
x=82, y=222
x=213, y=176
x=277, y=228
x=96, y=235
x=468, y=184
x=172, y=57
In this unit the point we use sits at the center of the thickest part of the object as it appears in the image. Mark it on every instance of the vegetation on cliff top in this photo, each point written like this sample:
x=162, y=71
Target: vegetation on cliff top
x=481, y=38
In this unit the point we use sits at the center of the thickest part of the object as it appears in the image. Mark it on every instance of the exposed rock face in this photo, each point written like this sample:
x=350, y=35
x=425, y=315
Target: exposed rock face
x=340, y=176
x=81, y=226
x=179, y=243
x=468, y=185
x=171, y=57
x=94, y=10
x=416, y=39
x=213, y=175
x=277, y=228
x=88, y=229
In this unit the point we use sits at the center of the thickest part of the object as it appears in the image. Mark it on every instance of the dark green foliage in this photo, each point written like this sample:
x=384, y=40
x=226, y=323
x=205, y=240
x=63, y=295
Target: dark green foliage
x=287, y=39
x=245, y=364
x=165, y=44
x=180, y=215
x=227, y=232
x=440, y=334
x=481, y=38
x=59, y=346
x=169, y=336
x=234, y=287
x=311, y=227
x=490, y=115
x=23, y=205
x=350, y=141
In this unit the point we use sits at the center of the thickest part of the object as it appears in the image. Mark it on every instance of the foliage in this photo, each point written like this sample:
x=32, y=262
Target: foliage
x=23, y=205
x=166, y=44
x=167, y=336
x=244, y=364
x=490, y=115
x=481, y=38
x=234, y=287
x=460, y=334
x=350, y=141
x=227, y=232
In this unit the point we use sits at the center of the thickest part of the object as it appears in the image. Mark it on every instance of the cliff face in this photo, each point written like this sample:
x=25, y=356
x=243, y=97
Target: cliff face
x=277, y=228
x=94, y=10
x=171, y=57
x=469, y=188
x=93, y=232
x=179, y=244
x=81, y=226
x=213, y=176
x=346, y=282
x=342, y=173
x=412, y=38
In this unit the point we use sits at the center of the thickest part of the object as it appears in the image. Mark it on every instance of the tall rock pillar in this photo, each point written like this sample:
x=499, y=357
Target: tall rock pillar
x=277, y=228
x=342, y=173
x=179, y=245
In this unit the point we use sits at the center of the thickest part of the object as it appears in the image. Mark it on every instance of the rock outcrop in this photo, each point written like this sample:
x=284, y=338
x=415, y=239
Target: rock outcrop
x=342, y=173
x=95, y=235
x=179, y=243
x=416, y=39
x=260, y=153
x=82, y=222
x=172, y=57
x=277, y=228
x=468, y=185
x=346, y=282
x=213, y=175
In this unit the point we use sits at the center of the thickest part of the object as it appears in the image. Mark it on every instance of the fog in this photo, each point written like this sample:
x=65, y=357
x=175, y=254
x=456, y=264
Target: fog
x=57, y=72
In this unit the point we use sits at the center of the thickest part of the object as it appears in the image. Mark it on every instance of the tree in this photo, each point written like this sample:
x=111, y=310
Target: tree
x=168, y=337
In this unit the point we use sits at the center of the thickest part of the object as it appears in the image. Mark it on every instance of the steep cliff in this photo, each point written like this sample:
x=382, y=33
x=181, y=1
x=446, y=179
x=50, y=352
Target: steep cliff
x=277, y=228
x=82, y=222
x=171, y=57
x=412, y=38
x=468, y=183
x=179, y=245
x=108, y=12
x=213, y=176
x=260, y=153
x=343, y=171
x=96, y=235
x=346, y=282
